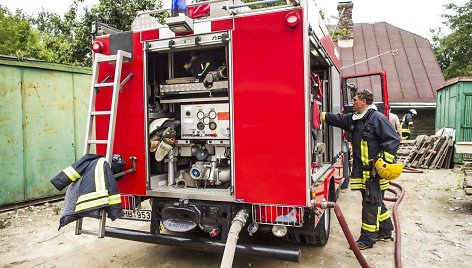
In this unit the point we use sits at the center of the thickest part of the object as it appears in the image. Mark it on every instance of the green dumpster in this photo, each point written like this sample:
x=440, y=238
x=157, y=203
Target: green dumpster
x=43, y=111
x=454, y=110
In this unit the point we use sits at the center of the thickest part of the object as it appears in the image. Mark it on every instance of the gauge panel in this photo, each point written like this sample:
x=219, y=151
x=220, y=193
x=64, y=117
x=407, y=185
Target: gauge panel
x=205, y=121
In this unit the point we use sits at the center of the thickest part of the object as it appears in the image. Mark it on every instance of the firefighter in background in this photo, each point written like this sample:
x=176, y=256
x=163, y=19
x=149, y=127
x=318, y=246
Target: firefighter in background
x=407, y=124
x=372, y=137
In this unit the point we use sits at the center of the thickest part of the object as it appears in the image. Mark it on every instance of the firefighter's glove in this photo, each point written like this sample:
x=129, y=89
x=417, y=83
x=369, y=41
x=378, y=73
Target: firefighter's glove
x=154, y=145
x=162, y=150
x=169, y=141
x=323, y=117
x=168, y=133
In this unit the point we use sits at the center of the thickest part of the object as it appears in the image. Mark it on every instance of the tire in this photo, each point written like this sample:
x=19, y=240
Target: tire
x=293, y=238
x=311, y=235
x=320, y=235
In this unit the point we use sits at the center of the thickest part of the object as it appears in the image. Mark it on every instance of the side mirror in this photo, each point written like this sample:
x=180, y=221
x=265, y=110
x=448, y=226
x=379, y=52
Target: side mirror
x=352, y=89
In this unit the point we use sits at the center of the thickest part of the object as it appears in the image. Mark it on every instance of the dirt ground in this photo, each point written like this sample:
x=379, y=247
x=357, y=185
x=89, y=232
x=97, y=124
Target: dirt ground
x=436, y=228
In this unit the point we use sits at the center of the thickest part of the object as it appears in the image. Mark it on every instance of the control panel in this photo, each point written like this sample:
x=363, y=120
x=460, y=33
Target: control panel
x=205, y=121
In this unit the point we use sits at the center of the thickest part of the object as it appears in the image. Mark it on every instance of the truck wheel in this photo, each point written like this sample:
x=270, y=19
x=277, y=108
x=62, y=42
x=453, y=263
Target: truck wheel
x=321, y=233
x=293, y=238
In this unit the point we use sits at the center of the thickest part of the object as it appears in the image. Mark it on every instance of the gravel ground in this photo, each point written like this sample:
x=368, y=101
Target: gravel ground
x=436, y=228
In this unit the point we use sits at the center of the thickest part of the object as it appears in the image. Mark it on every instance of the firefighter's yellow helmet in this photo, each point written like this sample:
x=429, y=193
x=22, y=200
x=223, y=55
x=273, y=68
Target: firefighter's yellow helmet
x=388, y=171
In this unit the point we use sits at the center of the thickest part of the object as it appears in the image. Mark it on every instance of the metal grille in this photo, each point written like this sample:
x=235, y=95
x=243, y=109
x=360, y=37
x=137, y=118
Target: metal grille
x=278, y=215
x=129, y=202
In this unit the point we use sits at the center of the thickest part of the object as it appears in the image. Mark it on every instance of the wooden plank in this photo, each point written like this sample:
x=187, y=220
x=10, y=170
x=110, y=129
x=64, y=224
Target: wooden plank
x=428, y=147
x=449, y=144
x=440, y=147
x=450, y=150
x=468, y=182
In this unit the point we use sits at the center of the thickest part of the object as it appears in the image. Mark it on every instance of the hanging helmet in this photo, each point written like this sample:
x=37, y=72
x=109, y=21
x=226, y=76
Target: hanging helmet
x=413, y=111
x=156, y=124
x=163, y=123
x=388, y=171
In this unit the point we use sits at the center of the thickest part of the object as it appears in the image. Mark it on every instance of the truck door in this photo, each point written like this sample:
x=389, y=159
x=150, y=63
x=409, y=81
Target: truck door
x=269, y=110
x=375, y=82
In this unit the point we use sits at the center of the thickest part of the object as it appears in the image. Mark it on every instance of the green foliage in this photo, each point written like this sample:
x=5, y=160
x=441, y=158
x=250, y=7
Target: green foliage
x=338, y=35
x=453, y=51
x=67, y=39
x=18, y=36
x=280, y=3
x=120, y=14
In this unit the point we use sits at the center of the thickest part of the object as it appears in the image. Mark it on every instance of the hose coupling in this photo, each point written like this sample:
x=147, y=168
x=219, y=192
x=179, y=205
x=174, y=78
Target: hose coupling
x=323, y=204
x=241, y=216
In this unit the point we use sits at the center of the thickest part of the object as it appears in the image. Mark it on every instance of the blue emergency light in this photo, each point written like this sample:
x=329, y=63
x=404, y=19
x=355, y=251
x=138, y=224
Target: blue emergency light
x=178, y=7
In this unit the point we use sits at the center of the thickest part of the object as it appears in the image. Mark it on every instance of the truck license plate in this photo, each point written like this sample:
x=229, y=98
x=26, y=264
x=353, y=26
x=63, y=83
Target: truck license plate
x=140, y=215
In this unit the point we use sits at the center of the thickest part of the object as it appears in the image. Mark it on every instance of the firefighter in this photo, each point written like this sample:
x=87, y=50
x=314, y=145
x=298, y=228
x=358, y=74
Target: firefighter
x=395, y=121
x=407, y=124
x=372, y=137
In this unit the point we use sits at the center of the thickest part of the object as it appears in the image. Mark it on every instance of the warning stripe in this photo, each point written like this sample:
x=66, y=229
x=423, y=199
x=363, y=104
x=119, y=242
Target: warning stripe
x=201, y=27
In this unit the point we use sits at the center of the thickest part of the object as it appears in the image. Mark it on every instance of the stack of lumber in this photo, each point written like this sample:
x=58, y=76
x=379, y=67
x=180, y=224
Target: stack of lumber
x=468, y=181
x=430, y=152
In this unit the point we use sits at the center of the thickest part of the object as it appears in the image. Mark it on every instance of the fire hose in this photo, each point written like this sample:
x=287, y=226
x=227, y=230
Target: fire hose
x=241, y=217
x=352, y=242
x=411, y=170
x=238, y=223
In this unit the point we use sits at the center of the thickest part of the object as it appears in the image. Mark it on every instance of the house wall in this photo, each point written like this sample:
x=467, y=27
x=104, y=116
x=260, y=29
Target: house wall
x=423, y=123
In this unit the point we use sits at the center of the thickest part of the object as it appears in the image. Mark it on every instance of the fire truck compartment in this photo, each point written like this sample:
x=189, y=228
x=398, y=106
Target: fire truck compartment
x=189, y=118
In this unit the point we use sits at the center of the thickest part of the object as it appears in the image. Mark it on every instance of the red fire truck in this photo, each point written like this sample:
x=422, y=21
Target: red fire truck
x=218, y=121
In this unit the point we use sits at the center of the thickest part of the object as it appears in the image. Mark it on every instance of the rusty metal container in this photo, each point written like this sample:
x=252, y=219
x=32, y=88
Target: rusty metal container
x=42, y=105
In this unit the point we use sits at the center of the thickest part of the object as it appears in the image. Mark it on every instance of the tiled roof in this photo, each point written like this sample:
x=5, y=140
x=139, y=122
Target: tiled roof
x=413, y=75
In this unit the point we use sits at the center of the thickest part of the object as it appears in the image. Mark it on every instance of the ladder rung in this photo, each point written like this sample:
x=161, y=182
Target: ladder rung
x=101, y=113
x=97, y=141
x=104, y=84
x=126, y=55
x=104, y=58
x=110, y=58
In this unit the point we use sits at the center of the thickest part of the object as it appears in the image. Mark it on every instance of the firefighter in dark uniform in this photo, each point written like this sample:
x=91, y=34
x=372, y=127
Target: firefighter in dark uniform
x=372, y=137
x=407, y=124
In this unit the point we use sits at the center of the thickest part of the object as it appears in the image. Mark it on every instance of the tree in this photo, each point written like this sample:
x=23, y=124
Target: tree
x=116, y=13
x=18, y=36
x=67, y=39
x=453, y=51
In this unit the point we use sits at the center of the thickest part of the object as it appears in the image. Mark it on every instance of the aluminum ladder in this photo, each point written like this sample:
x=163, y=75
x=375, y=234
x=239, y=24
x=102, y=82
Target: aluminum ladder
x=119, y=58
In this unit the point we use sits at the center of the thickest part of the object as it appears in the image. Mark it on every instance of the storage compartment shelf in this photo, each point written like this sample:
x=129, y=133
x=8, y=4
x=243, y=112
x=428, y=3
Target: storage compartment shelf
x=214, y=194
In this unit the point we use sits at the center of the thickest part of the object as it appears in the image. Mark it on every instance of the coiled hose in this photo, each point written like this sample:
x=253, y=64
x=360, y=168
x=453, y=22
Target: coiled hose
x=350, y=239
x=397, y=199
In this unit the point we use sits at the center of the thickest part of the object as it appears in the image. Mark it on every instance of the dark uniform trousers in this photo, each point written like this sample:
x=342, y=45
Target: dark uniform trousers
x=376, y=219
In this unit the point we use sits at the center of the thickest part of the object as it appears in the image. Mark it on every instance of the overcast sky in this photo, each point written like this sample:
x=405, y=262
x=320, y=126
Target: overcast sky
x=416, y=16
